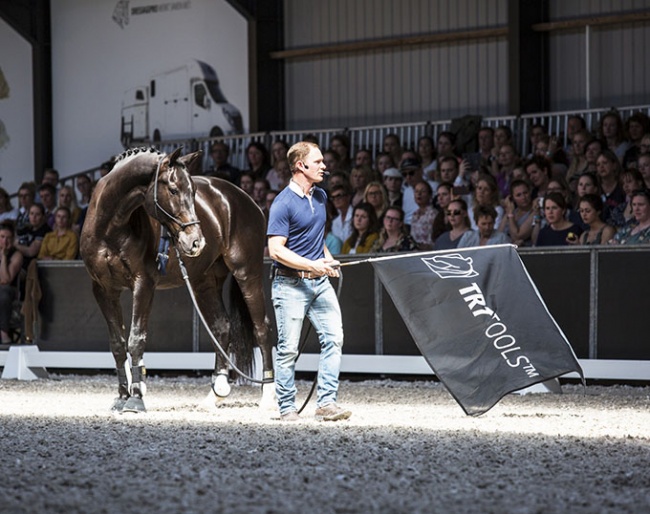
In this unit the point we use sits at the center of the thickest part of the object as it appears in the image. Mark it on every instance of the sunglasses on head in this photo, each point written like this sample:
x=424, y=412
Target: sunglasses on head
x=454, y=213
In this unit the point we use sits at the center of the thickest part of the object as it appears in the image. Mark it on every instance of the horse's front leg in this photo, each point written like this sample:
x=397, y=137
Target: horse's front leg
x=109, y=304
x=142, y=301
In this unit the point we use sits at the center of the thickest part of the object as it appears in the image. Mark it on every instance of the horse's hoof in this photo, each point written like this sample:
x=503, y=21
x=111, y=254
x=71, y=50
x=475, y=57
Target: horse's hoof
x=118, y=404
x=134, y=404
x=268, y=401
x=220, y=386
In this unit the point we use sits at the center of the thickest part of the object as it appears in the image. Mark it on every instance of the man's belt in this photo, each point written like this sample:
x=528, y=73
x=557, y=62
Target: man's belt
x=283, y=272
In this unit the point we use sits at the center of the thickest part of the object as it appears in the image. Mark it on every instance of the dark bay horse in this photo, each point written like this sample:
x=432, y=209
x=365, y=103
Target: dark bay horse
x=218, y=230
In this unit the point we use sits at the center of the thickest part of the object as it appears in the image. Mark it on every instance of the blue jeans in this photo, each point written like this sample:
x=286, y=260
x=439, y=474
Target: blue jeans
x=293, y=299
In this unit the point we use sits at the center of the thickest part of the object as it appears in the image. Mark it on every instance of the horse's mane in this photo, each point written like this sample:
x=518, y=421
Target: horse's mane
x=133, y=152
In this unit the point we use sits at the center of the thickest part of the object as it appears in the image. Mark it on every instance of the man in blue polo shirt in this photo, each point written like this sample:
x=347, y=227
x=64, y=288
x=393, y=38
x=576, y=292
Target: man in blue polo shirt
x=301, y=285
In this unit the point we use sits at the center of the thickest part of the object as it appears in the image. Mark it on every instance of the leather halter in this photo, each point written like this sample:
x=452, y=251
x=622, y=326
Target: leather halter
x=161, y=209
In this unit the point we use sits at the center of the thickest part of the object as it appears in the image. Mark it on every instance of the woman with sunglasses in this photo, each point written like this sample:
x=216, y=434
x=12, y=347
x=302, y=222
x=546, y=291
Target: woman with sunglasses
x=457, y=216
x=393, y=236
x=638, y=232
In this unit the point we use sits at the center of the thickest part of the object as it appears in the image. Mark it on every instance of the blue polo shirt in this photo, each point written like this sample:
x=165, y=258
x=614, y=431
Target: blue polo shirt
x=300, y=219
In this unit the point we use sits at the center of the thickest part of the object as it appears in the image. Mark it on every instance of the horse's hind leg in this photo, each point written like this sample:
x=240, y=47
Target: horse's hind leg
x=109, y=304
x=142, y=301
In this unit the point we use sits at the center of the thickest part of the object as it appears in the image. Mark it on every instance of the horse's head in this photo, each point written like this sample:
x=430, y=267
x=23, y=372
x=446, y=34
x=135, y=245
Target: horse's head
x=170, y=199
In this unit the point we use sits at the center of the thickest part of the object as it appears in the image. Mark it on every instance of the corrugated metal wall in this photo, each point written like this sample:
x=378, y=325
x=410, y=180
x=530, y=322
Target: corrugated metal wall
x=619, y=57
x=395, y=85
x=442, y=81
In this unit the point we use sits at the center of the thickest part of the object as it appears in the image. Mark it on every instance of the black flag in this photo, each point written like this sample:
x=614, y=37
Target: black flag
x=478, y=320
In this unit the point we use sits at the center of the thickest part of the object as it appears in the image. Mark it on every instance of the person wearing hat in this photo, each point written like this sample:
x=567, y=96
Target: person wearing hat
x=393, y=184
x=411, y=171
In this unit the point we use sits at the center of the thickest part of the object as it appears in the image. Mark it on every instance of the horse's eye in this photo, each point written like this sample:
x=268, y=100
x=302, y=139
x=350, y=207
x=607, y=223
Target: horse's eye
x=173, y=191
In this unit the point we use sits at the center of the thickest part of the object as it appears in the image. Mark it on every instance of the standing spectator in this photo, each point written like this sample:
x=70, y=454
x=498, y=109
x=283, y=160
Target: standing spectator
x=61, y=244
x=341, y=145
x=258, y=159
x=342, y=223
x=221, y=167
x=392, y=147
x=485, y=235
x=364, y=230
x=11, y=261
x=609, y=171
x=558, y=230
x=423, y=217
x=518, y=221
x=7, y=211
x=637, y=232
x=47, y=193
x=26, y=195
x=85, y=187
x=279, y=151
x=393, y=184
x=597, y=231
x=458, y=221
x=612, y=131
x=376, y=195
x=301, y=286
x=393, y=236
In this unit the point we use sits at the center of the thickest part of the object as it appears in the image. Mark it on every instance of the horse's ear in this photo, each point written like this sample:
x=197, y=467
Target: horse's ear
x=174, y=155
x=193, y=162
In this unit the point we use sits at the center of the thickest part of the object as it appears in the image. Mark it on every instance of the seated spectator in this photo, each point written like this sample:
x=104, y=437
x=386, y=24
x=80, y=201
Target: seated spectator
x=609, y=172
x=331, y=160
x=426, y=154
x=393, y=183
x=621, y=215
x=392, y=147
x=517, y=223
x=47, y=193
x=424, y=216
x=578, y=164
x=247, y=182
x=364, y=230
x=597, y=231
x=62, y=244
x=11, y=261
x=30, y=240
x=221, y=167
x=593, y=149
x=383, y=162
x=485, y=145
x=26, y=195
x=507, y=161
x=486, y=194
x=260, y=188
x=283, y=175
x=643, y=165
x=538, y=169
x=393, y=236
x=363, y=157
x=558, y=230
x=550, y=147
x=342, y=223
x=612, y=131
x=637, y=232
x=338, y=178
x=458, y=220
x=259, y=162
x=7, y=211
x=359, y=179
x=502, y=136
x=484, y=217
x=278, y=179
x=85, y=187
x=376, y=195
x=636, y=126
x=68, y=199
x=333, y=243
x=559, y=185
x=587, y=184
x=443, y=198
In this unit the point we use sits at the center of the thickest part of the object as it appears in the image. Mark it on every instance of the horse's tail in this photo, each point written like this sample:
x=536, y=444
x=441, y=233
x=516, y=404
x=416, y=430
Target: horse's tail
x=241, y=336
